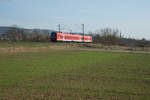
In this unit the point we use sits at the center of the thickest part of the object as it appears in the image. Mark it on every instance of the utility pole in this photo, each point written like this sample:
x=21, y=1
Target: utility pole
x=83, y=31
x=59, y=28
x=120, y=38
x=120, y=35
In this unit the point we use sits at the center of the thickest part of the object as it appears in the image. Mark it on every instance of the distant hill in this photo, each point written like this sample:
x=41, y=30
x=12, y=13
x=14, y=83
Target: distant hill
x=4, y=29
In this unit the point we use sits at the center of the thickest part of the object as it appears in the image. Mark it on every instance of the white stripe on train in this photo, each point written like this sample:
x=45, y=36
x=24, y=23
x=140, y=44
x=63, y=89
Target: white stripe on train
x=73, y=40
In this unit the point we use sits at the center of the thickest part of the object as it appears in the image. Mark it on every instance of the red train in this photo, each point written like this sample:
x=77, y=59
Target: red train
x=70, y=37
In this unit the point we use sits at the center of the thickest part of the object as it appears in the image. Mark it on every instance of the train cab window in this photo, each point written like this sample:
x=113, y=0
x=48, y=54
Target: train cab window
x=53, y=34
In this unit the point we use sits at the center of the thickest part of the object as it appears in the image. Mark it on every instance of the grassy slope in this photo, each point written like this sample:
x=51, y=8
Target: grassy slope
x=68, y=74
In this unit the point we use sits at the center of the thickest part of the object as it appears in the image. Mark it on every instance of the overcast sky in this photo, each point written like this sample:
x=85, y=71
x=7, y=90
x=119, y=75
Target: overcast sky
x=132, y=17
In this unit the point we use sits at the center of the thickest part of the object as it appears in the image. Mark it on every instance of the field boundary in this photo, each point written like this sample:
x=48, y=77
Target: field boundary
x=37, y=49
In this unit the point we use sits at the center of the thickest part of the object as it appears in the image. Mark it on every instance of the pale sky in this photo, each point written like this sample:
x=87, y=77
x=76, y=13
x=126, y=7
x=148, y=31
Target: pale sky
x=132, y=17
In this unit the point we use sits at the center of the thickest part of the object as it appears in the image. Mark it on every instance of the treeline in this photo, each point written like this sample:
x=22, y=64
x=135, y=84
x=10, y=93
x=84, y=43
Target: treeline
x=106, y=36
x=16, y=34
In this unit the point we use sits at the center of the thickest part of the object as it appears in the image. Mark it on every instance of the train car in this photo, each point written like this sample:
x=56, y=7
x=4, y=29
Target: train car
x=69, y=37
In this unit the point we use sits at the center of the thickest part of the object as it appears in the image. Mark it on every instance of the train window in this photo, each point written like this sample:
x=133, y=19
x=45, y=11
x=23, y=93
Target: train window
x=53, y=34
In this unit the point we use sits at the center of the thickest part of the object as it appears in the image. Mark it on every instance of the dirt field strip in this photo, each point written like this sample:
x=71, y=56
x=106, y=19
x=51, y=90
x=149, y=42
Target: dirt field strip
x=36, y=49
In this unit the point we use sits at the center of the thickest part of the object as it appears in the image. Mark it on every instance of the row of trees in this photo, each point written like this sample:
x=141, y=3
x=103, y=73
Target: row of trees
x=106, y=36
x=16, y=34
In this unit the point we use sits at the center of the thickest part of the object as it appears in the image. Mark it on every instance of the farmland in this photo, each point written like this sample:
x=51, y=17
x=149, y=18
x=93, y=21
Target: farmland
x=73, y=74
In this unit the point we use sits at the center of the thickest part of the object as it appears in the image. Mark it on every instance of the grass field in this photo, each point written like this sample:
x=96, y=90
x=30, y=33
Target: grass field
x=74, y=75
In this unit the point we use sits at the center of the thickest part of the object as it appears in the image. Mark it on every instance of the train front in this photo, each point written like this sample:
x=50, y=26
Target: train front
x=53, y=36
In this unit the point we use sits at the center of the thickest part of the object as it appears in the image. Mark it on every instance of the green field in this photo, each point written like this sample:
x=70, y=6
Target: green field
x=74, y=75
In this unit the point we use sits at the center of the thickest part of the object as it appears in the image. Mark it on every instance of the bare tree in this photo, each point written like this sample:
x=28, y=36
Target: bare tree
x=107, y=36
x=16, y=34
x=11, y=34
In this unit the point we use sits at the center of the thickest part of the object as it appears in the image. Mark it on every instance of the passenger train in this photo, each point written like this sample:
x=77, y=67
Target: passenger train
x=70, y=37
